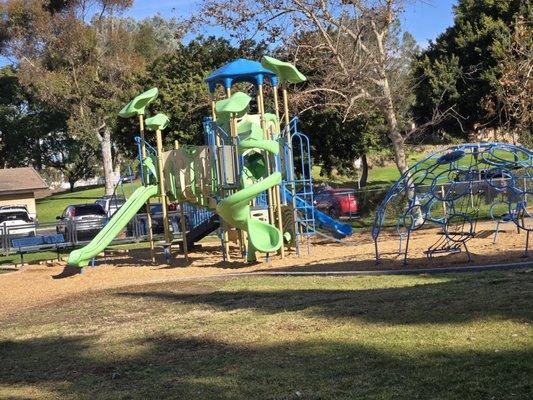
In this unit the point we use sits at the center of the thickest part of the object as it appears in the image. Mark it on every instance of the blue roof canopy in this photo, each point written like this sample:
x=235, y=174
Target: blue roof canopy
x=240, y=70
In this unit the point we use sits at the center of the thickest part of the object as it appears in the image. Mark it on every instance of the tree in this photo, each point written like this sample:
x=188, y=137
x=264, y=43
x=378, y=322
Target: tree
x=34, y=133
x=355, y=46
x=515, y=86
x=337, y=144
x=84, y=69
x=73, y=158
x=462, y=68
x=183, y=94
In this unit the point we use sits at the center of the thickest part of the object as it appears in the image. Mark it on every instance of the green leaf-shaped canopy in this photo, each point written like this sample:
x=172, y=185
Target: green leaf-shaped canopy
x=236, y=104
x=138, y=104
x=285, y=71
x=159, y=121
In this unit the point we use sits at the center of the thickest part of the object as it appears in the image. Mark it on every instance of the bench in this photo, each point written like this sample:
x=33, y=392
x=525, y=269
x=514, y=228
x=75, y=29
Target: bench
x=33, y=244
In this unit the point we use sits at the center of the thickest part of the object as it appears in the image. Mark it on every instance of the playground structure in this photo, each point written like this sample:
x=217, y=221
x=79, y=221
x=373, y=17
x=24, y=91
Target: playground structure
x=456, y=187
x=245, y=173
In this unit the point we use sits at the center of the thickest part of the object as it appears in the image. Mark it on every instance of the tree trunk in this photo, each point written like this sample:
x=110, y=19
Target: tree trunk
x=364, y=171
x=394, y=134
x=71, y=184
x=398, y=145
x=105, y=144
x=118, y=162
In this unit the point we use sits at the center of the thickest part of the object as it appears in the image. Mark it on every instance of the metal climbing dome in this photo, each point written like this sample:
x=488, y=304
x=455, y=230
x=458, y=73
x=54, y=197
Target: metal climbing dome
x=453, y=189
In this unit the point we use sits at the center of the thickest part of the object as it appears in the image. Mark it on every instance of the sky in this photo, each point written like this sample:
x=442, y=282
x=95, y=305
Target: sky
x=425, y=19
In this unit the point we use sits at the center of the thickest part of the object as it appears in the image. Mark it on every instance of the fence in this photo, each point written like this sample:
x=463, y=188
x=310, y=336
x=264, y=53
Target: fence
x=79, y=233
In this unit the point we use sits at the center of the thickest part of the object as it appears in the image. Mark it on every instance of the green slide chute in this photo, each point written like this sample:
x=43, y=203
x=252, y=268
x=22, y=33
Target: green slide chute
x=120, y=219
x=235, y=210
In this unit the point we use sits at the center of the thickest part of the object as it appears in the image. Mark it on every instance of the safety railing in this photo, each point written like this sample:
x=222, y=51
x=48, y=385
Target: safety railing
x=150, y=150
x=79, y=233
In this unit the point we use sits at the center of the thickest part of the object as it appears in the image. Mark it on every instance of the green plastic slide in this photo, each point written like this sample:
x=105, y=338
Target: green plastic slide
x=120, y=219
x=235, y=210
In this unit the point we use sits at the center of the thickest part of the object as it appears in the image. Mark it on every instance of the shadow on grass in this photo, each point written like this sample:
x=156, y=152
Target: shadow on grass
x=454, y=301
x=187, y=366
x=181, y=368
x=142, y=257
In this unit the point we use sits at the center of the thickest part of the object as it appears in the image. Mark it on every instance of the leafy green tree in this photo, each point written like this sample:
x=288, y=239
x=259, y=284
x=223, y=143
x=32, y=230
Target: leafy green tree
x=337, y=144
x=461, y=69
x=84, y=69
x=33, y=133
x=179, y=75
x=515, y=87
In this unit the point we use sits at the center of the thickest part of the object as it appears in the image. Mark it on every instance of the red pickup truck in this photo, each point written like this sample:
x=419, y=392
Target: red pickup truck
x=337, y=202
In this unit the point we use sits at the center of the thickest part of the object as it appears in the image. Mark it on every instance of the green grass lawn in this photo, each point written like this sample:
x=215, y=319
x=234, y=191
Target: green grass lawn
x=377, y=176
x=33, y=258
x=52, y=206
x=463, y=336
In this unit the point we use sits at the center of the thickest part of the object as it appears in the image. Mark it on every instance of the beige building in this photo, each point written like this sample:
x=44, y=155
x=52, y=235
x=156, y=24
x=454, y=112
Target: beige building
x=21, y=186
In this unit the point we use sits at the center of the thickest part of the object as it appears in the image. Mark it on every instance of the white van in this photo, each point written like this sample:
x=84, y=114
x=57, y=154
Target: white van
x=16, y=221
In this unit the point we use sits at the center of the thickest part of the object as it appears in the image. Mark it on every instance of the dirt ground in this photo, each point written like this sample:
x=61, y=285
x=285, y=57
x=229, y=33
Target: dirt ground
x=36, y=285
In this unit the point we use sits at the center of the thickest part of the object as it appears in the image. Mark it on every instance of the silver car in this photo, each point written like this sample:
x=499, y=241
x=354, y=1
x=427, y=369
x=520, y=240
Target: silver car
x=81, y=221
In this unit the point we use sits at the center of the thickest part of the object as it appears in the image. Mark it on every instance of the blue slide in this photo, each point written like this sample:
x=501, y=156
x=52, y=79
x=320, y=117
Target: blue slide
x=337, y=229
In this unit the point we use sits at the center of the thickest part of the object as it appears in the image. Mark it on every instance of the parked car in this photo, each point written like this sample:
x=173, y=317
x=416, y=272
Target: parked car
x=16, y=221
x=337, y=202
x=128, y=178
x=156, y=212
x=111, y=204
x=85, y=220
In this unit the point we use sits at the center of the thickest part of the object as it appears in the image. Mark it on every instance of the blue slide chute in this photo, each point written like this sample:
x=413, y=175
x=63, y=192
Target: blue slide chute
x=337, y=229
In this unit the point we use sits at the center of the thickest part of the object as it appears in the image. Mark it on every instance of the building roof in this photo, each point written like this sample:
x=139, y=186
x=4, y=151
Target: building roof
x=17, y=180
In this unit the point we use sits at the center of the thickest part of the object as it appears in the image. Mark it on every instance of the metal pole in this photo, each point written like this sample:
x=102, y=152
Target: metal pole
x=291, y=178
x=276, y=105
x=183, y=224
x=147, y=204
x=277, y=192
x=224, y=225
x=164, y=200
x=443, y=194
x=287, y=126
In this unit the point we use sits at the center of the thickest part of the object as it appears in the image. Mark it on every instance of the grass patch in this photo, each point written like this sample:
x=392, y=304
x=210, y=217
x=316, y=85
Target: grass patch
x=52, y=206
x=377, y=176
x=401, y=337
x=32, y=258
